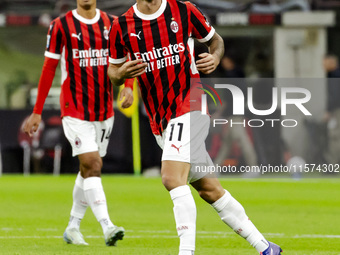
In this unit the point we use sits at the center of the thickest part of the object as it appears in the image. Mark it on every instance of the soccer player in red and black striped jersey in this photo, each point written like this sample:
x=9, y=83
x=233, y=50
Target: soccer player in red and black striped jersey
x=79, y=40
x=157, y=36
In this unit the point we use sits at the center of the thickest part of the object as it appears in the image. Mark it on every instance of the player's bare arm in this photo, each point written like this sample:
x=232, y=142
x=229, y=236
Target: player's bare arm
x=209, y=61
x=130, y=69
x=32, y=123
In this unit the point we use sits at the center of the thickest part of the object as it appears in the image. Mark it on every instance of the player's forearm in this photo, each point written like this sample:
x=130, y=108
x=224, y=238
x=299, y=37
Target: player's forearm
x=45, y=83
x=216, y=47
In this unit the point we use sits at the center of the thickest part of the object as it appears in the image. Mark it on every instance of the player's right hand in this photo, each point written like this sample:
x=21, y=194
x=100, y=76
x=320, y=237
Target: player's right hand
x=32, y=123
x=132, y=69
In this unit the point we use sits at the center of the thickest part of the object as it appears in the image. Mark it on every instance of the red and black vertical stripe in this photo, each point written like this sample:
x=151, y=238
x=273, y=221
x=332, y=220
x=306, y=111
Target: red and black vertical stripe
x=103, y=74
x=69, y=60
x=84, y=83
x=183, y=10
x=197, y=24
x=144, y=84
x=108, y=97
x=140, y=25
x=95, y=79
x=54, y=42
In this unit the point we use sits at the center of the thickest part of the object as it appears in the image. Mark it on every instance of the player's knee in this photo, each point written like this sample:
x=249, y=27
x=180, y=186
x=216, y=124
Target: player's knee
x=211, y=195
x=174, y=174
x=206, y=195
x=170, y=182
x=91, y=167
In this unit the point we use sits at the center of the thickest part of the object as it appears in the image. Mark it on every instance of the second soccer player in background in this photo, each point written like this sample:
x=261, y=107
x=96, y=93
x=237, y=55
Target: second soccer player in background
x=80, y=40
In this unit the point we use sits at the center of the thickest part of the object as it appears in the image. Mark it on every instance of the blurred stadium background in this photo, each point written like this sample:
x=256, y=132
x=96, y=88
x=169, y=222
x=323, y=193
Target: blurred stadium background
x=264, y=39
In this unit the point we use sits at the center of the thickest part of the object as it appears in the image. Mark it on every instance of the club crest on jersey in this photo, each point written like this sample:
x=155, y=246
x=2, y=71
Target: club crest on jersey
x=174, y=26
x=77, y=142
x=106, y=33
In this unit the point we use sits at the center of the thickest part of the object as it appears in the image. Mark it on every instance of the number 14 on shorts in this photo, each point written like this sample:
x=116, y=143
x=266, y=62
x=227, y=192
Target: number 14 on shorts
x=105, y=135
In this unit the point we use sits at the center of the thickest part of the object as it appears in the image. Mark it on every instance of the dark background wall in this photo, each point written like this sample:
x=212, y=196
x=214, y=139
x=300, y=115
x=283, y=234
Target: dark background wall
x=119, y=153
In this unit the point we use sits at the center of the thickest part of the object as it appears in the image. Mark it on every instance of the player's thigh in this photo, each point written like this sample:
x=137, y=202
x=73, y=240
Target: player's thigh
x=81, y=135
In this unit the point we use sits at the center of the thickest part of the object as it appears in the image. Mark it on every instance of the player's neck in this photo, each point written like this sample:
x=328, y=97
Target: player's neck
x=148, y=6
x=87, y=13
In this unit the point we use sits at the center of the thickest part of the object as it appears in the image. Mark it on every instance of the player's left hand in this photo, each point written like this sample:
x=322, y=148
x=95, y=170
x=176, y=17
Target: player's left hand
x=208, y=63
x=127, y=95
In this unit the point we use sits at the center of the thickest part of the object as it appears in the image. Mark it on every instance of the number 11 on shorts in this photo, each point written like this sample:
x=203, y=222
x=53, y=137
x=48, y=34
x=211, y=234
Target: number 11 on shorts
x=180, y=130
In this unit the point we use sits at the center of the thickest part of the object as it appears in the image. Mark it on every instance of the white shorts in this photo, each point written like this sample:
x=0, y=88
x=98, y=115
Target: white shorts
x=87, y=136
x=184, y=140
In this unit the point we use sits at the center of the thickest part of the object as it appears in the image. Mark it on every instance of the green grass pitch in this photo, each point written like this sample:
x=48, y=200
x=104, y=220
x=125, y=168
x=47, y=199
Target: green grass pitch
x=303, y=217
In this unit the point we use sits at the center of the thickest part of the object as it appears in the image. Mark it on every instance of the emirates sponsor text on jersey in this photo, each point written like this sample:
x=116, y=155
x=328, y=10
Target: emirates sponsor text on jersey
x=161, y=57
x=91, y=57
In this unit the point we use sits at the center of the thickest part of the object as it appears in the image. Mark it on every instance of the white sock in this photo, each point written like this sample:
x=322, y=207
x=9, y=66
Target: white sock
x=186, y=252
x=79, y=203
x=105, y=223
x=185, y=217
x=95, y=197
x=233, y=214
x=74, y=223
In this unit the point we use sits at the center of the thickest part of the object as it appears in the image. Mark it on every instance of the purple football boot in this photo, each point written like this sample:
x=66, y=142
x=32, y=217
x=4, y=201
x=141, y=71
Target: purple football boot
x=273, y=249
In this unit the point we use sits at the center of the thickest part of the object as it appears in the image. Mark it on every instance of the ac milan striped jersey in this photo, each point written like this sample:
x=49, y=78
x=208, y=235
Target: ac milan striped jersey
x=164, y=40
x=82, y=46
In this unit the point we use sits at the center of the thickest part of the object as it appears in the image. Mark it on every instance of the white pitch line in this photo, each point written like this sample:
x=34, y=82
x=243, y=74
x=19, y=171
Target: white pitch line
x=151, y=231
x=11, y=229
x=90, y=237
x=213, y=235
x=316, y=236
x=47, y=229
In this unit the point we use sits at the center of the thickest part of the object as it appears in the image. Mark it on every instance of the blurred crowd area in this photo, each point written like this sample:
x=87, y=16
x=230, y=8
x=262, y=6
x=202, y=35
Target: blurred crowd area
x=263, y=39
x=118, y=7
x=58, y=7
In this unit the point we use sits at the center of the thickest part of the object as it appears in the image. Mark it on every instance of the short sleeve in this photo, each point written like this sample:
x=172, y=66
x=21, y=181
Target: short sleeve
x=54, y=40
x=117, y=50
x=200, y=27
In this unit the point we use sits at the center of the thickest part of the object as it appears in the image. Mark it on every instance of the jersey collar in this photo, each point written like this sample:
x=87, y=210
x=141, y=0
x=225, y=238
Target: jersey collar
x=87, y=21
x=155, y=15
